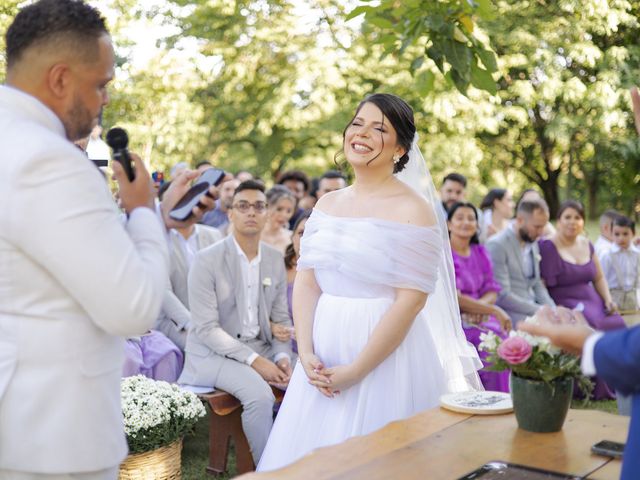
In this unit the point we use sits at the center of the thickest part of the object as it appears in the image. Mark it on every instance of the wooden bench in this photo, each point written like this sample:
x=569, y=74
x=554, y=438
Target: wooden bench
x=225, y=425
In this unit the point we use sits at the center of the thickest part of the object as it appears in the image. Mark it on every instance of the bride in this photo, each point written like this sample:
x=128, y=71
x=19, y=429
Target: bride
x=376, y=316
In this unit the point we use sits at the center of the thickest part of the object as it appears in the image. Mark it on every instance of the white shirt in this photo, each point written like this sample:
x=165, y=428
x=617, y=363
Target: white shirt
x=587, y=364
x=251, y=281
x=602, y=246
x=527, y=259
x=625, y=262
x=189, y=246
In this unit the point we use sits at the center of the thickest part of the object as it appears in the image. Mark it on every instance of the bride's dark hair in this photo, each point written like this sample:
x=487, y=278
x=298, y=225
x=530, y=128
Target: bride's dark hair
x=400, y=116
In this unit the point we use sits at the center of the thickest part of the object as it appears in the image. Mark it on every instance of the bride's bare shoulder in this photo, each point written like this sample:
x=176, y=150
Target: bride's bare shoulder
x=414, y=209
x=332, y=202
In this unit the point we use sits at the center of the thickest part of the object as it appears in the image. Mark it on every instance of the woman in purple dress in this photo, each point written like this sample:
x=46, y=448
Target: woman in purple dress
x=573, y=275
x=477, y=289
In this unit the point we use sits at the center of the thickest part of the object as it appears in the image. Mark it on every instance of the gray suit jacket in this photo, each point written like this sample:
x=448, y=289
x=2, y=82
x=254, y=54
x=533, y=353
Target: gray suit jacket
x=174, y=319
x=520, y=296
x=217, y=300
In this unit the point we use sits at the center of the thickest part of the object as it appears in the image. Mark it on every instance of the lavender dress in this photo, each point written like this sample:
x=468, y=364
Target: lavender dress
x=152, y=355
x=474, y=278
x=569, y=285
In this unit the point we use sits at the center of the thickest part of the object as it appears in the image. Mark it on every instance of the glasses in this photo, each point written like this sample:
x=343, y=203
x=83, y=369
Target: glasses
x=244, y=206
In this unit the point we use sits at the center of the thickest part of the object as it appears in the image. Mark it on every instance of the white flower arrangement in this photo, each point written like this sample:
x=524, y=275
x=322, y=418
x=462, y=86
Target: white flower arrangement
x=156, y=413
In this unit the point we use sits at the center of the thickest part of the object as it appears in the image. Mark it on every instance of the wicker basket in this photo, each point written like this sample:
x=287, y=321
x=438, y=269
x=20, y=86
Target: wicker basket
x=160, y=464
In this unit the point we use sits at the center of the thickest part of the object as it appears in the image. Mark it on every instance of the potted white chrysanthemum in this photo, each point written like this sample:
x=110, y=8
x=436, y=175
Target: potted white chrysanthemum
x=156, y=416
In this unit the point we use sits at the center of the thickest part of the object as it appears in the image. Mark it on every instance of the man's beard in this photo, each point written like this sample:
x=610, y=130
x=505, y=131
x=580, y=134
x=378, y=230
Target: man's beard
x=525, y=236
x=78, y=122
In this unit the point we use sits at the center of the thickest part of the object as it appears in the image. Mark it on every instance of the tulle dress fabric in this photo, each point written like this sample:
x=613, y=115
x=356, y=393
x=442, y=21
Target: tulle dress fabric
x=357, y=263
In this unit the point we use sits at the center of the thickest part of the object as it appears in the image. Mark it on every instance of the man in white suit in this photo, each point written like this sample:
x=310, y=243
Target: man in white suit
x=73, y=278
x=236, y=287
x=516, y=262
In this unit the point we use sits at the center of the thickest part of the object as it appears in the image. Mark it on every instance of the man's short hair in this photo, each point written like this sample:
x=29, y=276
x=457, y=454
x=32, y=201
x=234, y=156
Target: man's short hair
x=331, y=174
x=456, y=177
x=249, y=185
x=530, y=206
x=622, y=221
x=203, y=163
x=295, y=175
x=608, y=217
x=59, y=24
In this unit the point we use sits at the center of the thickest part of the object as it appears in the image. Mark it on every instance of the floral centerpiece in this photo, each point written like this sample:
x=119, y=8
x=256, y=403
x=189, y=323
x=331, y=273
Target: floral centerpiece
x=156, y=416
x=542, y=376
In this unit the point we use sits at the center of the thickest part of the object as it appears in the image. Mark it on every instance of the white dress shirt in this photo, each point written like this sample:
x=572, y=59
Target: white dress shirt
x=623, y=261
x=527, y=260
x=587, y=364
x=189, y=246
x=251, y=280
x=602, y=246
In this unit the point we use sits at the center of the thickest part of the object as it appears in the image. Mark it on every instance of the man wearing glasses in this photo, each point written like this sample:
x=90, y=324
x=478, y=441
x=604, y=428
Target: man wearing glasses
x=236, y=287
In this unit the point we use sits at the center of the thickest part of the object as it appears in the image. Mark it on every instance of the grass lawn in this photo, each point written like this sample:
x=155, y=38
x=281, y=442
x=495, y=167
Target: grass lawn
x=195, y=451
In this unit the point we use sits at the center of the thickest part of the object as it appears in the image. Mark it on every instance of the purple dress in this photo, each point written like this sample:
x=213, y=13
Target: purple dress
x=474, y=278
x=569, y=285
x=152, y=355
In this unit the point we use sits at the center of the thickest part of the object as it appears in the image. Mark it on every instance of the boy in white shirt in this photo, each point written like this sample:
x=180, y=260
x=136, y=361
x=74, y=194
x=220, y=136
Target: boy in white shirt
x=621, y=265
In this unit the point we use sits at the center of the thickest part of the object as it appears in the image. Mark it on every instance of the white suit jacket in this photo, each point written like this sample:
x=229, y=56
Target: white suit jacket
x=73, y=280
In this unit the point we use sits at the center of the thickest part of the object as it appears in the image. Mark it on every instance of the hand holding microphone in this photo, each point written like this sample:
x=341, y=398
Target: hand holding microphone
x=135, y=186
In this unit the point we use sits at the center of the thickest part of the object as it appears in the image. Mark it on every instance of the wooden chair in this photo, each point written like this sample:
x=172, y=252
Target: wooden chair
x=226, y=424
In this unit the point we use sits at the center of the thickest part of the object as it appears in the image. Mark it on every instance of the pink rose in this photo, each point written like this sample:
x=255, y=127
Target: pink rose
x=514, y=350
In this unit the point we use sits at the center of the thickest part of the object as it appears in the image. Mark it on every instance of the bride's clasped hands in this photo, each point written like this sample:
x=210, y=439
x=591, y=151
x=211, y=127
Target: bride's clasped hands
x=329, y=381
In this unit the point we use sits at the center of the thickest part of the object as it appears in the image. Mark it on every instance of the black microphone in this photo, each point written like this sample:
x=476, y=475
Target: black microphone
x=118, y=140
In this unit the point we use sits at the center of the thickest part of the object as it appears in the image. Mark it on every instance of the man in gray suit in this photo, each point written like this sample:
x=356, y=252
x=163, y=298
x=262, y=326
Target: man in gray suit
x=516, y=262
x=236, y=287
x=175, y=319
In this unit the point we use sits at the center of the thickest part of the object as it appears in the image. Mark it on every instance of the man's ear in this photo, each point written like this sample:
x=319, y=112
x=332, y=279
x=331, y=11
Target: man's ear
x=59, y=79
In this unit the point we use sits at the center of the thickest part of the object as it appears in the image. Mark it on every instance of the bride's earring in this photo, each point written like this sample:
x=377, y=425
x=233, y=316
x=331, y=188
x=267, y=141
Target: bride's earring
x=396, y=158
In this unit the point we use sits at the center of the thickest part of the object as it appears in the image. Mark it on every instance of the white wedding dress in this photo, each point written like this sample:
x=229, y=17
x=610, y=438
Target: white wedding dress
x=358, y=262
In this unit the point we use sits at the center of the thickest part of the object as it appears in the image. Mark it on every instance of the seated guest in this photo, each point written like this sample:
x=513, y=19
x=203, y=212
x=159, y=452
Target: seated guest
x=298, y=183
x=621, y=265
x=573, y=275
x=219, y=217
x=497, y=208
x=236, y=287
x=174, y=320
x=453, y=190
x=531, y=194
x=330, y=181
x=152, y=355
x=516, y=262
x=605, y=239
x=280, y=207
x=477, y=290
x=290, y=262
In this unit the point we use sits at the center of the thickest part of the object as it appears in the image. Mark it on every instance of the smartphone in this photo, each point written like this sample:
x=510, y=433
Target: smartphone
x=608, y=448
x=184, y=208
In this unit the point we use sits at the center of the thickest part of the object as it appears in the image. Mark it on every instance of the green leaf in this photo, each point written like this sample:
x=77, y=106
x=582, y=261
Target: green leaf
x=424, y=82
x=379, y=21
x=488, y=59
x=358, y=11
x=436, y=55
x=417, y=63
x=459, y=57
x=485, y=9
x=482, y=79
x=459, y=81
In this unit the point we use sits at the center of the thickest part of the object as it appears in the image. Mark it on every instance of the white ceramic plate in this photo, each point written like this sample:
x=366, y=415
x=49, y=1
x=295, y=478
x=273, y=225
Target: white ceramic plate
x=478, y=403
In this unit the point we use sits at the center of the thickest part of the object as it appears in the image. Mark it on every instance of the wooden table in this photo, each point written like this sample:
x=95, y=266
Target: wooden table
x=438, y=444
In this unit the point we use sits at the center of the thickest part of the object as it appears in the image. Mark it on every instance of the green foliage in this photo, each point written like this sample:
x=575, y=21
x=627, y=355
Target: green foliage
x=444, y=32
